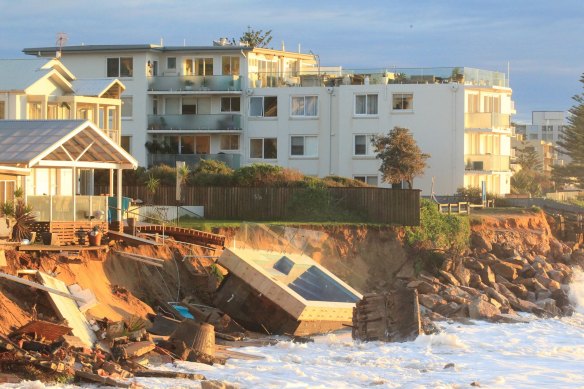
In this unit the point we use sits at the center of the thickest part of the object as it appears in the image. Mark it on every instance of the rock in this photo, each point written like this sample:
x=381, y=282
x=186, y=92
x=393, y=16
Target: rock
x=556, y=275
x=430, y=301
x=549, y=305
x=480, y=309
x=462, y=274
x=528, y=271
x=531, y=296
x=505, y=269
x=561, y=298
x=532, y=284
x=509, y=318
x=479, y=243
x=487, y=276
x=504, y=250
x=547, y=282
x=497, y=295
x=473, y=264
x=470, y=291
x=215, y=384
x=475, y=383
x=424, y=287
x=449, y=366
x=449, y=278
x=435, y=316
x=476, y=282
x=517, y=289
x=448, y=310
x=428, y=326
x=542, y=295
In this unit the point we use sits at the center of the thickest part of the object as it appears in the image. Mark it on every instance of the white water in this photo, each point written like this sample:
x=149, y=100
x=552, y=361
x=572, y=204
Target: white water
x=542, y=353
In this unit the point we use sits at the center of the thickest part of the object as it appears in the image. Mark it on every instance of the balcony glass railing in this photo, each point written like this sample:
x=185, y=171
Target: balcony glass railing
x=487, y=162
x=487, y=120
x=194, y=122
x=60, y=208
x=231, y=160
x=194, y=83
x=339, y=77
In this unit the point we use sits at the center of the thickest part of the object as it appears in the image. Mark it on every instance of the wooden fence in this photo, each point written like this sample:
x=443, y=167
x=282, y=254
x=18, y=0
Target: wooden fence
x=375, y=205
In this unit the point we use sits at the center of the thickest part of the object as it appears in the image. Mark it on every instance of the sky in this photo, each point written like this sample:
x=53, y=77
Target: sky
x=540, y=42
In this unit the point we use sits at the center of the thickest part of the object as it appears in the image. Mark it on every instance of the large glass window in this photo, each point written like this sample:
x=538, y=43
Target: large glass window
x=403, y=101
x=263, y=106
x=304, y=106
x=35, y=111
x=120, y=67
x=366, y=104
x=230, y=104
x=127, y=107
x=369, y=180
x=263, y=148
x=7, y=189
x=229, y=142
x=126, y=143
x=363, y=146
x=171, y=63
x=304, y=146
x=3, y=114
x=230, y=65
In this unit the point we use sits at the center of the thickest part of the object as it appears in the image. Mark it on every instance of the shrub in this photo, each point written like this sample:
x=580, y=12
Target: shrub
x=336, y=181
x=258, y=174
x=209, y=166
x=437, y=230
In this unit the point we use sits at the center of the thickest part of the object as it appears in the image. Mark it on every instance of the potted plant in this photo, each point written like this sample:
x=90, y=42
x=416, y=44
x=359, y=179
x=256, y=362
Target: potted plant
x=95, y=236
x=189, y=85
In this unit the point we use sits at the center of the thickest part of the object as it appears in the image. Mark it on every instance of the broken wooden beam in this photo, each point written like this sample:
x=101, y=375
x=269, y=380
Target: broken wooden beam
x=169, y=374
x=39, y=286
x=84, y=375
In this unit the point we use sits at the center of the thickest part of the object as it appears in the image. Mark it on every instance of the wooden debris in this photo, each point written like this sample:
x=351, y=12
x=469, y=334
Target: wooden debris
x=169, y=374
x=87, y=376
x=39, y=286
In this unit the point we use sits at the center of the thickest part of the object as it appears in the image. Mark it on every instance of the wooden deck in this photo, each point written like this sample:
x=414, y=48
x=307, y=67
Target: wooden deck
x=43, y=247
x=132, y=240
x=66, y=230
x=188, y=235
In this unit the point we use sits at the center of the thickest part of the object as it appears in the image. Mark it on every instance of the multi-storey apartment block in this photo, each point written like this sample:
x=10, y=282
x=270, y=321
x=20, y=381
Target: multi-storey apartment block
x=243, y=105
x=547, y=126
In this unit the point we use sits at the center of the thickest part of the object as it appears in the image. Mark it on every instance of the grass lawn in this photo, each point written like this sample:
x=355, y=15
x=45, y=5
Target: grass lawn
x=208, y=225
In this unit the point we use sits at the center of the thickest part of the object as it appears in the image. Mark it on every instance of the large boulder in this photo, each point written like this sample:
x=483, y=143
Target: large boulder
x=449, y=278
x=431, y=301
x=549, y=305
x=479, y=309
x=424, y=287
x=487, y=276
x=479, y=243
x=505, y=269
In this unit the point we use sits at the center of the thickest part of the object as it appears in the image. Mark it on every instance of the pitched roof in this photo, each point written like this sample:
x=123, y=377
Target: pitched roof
x=19, y=74
x=59, y=143
x=93, y=86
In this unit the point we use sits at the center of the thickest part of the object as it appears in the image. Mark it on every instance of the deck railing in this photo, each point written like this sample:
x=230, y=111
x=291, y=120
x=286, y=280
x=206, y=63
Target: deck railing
x=68, y=208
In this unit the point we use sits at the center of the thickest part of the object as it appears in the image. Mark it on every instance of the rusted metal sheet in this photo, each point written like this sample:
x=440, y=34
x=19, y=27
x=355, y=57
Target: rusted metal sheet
x=44, y=329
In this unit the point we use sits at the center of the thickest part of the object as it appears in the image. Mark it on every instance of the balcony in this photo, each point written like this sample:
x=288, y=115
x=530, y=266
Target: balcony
x=194, y=83
x=231, y=160
x=486, y=163
x=339, y=77
x=212, y=122
x=490, y=120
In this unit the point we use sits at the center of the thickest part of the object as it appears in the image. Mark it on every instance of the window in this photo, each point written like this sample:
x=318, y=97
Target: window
x=363, y=146
x=35, y=111
x=7, y=189
x=120, y=67
x=304, y=146
x=403, y=101
x=189, y=106
x=304, y=106
x=125, y=142
x=171, y=63
x=127, y=107
x=229, y=142
x=2, y=108
x=263, y=106
x=263, y=148
x=369, y=180
x=230, y=104
x=366, y=104
x=230, y=66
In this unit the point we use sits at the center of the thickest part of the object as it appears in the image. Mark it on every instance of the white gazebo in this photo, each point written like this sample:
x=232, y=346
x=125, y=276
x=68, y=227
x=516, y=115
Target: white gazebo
x=45, y=159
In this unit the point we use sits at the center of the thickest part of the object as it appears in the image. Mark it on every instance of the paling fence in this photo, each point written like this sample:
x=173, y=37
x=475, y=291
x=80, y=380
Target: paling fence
x=374, y=205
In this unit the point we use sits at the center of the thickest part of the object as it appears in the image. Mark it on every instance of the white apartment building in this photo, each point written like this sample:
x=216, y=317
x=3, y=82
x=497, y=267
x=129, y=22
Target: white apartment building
x=244, y=105
x=547, y=126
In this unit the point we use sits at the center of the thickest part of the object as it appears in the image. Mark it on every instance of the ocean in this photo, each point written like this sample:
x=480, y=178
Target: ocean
x=543, y=353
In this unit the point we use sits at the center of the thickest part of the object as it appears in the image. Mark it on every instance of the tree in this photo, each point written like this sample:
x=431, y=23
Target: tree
x=571, y=143
x=528, y=158
x=254, y=38
x=401, y=158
